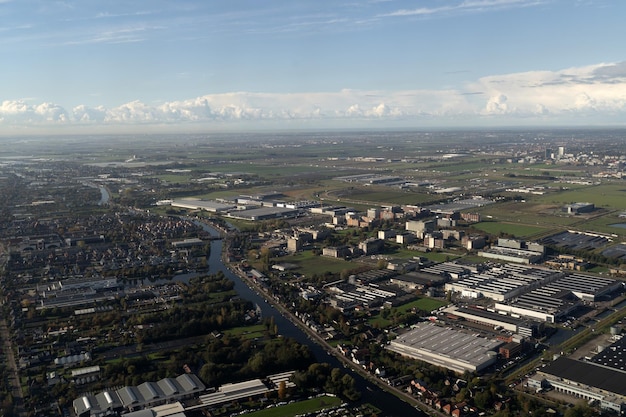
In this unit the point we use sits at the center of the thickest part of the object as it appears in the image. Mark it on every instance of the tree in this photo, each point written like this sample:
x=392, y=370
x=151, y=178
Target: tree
x=483, y=400
x=265, y=258
x=344, y=274
x=282, y=390
x=580, y=410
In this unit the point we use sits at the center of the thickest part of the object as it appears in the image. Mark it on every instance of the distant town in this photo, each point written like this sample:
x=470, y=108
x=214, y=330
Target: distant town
x=354, y=273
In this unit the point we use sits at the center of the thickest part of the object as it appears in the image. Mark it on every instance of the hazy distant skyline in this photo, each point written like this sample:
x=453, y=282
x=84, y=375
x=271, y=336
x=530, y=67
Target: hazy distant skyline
x=156, y=65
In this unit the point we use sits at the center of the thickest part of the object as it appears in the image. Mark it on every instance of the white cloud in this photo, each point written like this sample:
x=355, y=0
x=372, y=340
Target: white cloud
x=84, y=114
x=496, y=105
x=595, y=93
x=19, y=111
x=600, y=88
x=465, y=6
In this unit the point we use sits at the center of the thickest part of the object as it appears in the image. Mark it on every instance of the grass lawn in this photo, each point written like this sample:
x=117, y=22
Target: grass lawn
x=466, y=164
x=175, y=179
x=518, y=230
x=270, y=169
x=378, y=321
x=300, y=407
x=603, y=224
x=530, y=213
x=612, y=196
x=438, y=256
x=249, y=332
x=396, y=251
x=425, y=304
x=388, y=196
x=309, y=264
x=599, y=269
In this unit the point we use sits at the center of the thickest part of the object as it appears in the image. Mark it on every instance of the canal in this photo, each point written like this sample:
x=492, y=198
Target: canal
x=388, y=403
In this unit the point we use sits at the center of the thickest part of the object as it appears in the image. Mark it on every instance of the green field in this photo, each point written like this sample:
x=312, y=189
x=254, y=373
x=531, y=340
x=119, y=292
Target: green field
x=300, y=407
x=270, y=170
x=424, y=304
x=383, y=195
x=249, y=332
x=175, y=179
x=527, y=213
x=611, y=196
x=309, y=264
x=538, y=215
x=438, y=256
x=517, y=230
x=603, y=224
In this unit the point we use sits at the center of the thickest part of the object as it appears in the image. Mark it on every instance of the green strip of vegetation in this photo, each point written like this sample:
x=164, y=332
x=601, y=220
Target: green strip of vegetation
x=301, y=407
x=424, y=304
x=249, y=332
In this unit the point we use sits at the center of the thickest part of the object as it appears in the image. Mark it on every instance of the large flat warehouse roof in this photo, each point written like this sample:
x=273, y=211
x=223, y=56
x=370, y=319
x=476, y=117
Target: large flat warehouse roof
x=446, y=347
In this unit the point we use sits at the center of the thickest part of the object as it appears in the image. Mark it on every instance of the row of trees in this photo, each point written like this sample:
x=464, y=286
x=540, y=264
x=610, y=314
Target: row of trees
x=6, y=403
x=332, y=380
x=235, y=359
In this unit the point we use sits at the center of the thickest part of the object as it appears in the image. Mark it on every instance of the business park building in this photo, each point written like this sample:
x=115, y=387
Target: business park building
x=531, y=292
x=447, y=347
x=599, y=379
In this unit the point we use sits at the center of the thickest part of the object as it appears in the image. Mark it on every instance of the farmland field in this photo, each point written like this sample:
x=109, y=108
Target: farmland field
x=611, y=196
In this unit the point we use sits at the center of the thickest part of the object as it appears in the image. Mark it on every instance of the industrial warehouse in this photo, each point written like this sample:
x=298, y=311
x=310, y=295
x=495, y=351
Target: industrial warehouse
x=130, y=398
x=523, y=327
x=264, y=213
x=531, y=292
x=163, y=398
x=587, y=380
x=446, y=347
x=503, y=282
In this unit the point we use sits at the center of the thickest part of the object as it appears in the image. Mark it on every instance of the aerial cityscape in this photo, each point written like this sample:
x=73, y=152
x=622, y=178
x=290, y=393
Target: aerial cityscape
x=299, y=208
x=465, y=273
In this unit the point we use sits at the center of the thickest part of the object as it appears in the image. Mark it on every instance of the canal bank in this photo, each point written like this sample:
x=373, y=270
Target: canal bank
x=290, y=326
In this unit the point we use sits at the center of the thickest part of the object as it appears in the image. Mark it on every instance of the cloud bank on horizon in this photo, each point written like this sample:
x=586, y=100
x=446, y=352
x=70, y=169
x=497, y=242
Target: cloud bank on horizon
x=378, y=63
x=595, y=94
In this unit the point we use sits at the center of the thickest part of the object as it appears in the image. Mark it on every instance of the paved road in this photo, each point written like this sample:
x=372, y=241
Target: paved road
x=13, y=377
x=332, y=351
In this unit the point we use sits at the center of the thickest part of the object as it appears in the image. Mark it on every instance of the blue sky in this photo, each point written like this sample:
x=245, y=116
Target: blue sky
x=96, y=65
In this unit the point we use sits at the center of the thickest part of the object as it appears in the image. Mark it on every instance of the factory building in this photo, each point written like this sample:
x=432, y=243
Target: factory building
x=560, y=297
x=210, y=206
x=446, y=347
x=264, y=213
x=578, y=208
x=133, y=398
x=586, y=380
x=512, y=255
x=489, y=317
x=502, y=283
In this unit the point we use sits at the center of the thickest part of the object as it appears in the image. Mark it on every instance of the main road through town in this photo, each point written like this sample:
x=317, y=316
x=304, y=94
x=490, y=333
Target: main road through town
x=13, y=377
x=288, y=326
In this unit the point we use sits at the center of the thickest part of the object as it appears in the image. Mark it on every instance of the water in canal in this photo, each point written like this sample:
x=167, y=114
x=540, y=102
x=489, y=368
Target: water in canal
x=391, y=405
